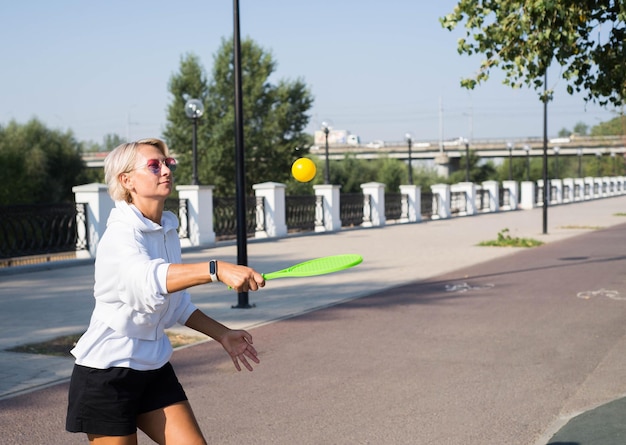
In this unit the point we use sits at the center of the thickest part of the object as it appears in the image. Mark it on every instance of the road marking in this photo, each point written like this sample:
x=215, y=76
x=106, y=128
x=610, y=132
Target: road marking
x=464, y=287
x=612, y=294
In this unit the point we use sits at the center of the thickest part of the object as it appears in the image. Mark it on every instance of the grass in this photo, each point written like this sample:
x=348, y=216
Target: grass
x=619, y=214
x=506, y=240
x=61, y=346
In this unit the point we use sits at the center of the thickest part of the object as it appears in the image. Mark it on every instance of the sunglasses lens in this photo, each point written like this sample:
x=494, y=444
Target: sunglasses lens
x=171, y=163
x=154, y=165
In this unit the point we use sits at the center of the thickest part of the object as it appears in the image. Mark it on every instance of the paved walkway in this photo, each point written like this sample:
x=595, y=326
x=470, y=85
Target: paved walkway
x=43, y=304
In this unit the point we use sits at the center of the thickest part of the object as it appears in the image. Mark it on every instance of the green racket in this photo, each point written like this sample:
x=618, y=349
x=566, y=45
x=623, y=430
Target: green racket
x=318, y=266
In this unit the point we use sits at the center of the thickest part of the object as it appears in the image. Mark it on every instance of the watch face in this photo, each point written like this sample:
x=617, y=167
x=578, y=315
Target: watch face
x=212, y=268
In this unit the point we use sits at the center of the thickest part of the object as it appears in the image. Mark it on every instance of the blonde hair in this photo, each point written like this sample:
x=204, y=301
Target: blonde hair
x=122, y=160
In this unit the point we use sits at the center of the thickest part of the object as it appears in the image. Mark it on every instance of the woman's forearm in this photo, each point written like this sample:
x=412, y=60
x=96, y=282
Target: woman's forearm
x=182, y=276
x=201, y=322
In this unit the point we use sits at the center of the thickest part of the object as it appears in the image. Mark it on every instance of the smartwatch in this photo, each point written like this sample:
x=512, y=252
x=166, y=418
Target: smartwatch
x=213, y=271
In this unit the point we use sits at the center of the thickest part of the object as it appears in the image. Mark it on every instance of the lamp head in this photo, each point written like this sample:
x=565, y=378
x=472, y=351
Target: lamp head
x=327, y=126
x=194, y=108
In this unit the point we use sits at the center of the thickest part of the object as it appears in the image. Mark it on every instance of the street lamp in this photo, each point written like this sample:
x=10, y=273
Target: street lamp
x=409, y=140
x=556, y=161
x=527, y=150
x=579, y=152
x=194, y=109
x=326, y=127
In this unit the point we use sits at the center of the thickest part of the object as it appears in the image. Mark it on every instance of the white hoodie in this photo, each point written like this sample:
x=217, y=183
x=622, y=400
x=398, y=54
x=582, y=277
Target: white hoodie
x=133, y=307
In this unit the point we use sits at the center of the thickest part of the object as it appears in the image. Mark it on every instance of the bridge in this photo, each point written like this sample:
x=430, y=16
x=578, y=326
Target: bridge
x=488, y=148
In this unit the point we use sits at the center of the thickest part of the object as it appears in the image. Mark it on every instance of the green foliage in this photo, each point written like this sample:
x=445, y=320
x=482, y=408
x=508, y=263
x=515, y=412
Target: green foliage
x=580, y=129
x=614, y=127
x=392, y=173
x=40, y=165
x=522, y=38
x=109, y=142
x=478, y=172
x=506, y=240
x=275, y=116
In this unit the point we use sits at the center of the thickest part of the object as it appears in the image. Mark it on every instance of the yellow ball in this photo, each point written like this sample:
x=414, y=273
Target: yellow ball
x=303, y=169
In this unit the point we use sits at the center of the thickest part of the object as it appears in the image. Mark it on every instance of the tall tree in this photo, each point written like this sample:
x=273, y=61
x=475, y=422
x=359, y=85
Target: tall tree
x=585, y=37
x=40, y=165
x=275, y=116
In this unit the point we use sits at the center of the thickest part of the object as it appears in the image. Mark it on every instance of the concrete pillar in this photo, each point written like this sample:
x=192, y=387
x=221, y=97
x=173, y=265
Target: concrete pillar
x=513, y=188
x=589, y=188
x=441, y=192
x=568, y=189
x=469, y=188
x=331, y=207
x=199, y=215
x=414, y=203
x=99, y=205
x=492, y=188
x=579, y=189
x=528, y=195
x=376, y=190
x=273, y=194
x=597, y=183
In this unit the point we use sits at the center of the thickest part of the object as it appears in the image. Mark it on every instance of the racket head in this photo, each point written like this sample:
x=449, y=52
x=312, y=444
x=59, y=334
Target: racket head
x=317, y=266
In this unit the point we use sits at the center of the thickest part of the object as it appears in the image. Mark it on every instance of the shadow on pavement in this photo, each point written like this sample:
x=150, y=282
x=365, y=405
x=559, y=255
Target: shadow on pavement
x=605, y=425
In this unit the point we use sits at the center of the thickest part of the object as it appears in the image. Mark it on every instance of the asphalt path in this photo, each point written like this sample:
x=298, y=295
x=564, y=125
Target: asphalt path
x=504, y=352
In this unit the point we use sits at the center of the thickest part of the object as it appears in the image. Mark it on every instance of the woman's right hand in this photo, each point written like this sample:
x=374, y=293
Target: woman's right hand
x=239, y=278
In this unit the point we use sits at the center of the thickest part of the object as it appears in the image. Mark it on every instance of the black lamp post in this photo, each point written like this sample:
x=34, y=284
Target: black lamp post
x=467, y=160
x=556, y=162
x=409, y=140
x=579, y=152
x=527, y=150
x=326, y=127
x=194, y=109
x=240, y=167
x=509, y=145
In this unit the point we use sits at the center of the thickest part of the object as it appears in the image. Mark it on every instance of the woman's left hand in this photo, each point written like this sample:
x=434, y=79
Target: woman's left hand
x=238, y=344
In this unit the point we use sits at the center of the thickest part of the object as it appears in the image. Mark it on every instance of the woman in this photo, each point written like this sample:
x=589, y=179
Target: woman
x=122, y=379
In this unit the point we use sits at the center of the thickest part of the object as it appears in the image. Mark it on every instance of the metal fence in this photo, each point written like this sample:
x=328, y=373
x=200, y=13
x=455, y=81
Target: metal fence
x=351, y=211
x=300, y=213
x=225, y=216
x=393, y=205
x=28, y=230
x=42, y=229
x=458, y=202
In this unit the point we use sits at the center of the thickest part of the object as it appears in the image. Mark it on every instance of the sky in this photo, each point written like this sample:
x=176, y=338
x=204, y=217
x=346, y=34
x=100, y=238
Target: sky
x=378, y=69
